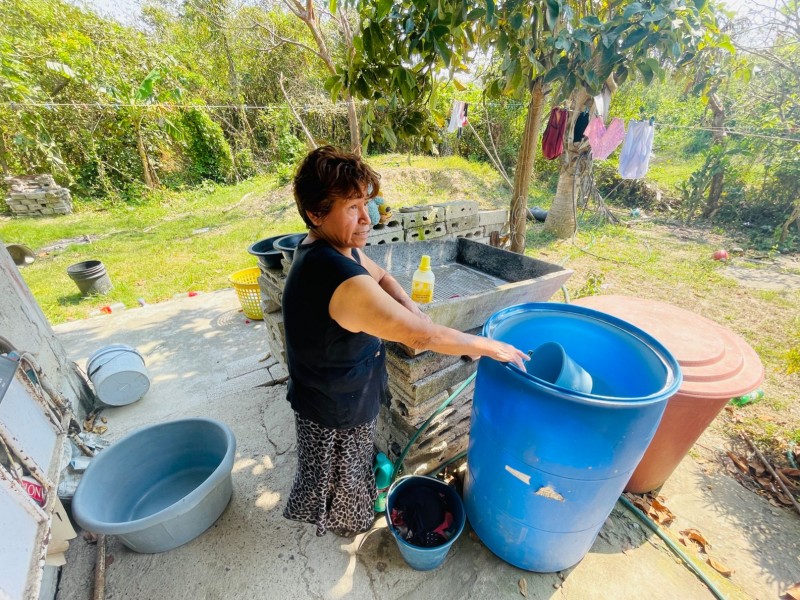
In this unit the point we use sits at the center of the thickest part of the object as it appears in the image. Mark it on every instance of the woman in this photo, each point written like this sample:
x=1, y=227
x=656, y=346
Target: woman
x=337, y=307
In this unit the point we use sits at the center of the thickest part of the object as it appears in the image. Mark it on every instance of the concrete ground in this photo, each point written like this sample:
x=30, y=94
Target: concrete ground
x=206, y=360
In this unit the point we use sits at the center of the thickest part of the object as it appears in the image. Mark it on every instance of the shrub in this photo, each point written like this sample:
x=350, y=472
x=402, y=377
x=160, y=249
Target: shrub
x=207, y=149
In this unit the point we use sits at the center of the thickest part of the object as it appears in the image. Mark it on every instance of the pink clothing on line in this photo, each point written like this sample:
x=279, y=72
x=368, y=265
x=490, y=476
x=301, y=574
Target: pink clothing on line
x=604, y=141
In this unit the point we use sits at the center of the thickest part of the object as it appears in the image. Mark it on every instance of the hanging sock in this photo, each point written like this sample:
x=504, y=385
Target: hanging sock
x=634, y=159
x=580, y=126
x=604, y=141
x=553, y=138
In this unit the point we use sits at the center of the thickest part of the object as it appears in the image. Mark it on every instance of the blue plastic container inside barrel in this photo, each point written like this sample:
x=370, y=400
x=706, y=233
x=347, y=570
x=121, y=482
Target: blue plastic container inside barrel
x=546, y=463
x=160, y=486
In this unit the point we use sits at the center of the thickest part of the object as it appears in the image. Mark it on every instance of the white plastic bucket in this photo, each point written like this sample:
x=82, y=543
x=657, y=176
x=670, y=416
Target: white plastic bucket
x=118, y=374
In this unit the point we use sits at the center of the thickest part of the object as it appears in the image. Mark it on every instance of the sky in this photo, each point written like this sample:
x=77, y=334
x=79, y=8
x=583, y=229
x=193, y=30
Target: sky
x=124, y=11
x=127, y=11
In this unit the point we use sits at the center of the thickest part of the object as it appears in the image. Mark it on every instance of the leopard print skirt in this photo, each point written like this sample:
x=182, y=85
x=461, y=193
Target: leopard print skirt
x=334, y=487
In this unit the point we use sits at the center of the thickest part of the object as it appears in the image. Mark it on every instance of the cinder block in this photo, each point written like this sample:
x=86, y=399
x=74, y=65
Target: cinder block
x=415, y=216
x=435, y=383
x=447, y=435
x=414, y=368
x=462, y=223
x=270, y=291
x=388, y=233
x=492, y=217
x=276, y=276
x=425, y=232
x=458, y=208
x=268, y=305
x=470, y=234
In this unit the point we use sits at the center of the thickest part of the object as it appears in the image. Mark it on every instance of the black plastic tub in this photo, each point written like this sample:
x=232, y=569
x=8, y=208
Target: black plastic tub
x=288, y=244
x=266, y=253
x=91, y=277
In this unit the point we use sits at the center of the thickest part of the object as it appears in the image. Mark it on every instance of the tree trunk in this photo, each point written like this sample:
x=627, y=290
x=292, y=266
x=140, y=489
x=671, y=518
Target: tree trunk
x=309, y=18
x=793, y=218
x=355, y=128
x=233, y=81
x=522, y=176
x=149, y=174
x=561, y=216
x=717, y=137
x=3, y=155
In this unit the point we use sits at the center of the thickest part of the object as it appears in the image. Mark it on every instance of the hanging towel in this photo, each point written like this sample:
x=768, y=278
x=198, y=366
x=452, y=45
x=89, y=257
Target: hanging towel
x=604, y=141
x=635, y=156
x=602, y=102
x=553, y=138
x=580, y=126
x=458, y=116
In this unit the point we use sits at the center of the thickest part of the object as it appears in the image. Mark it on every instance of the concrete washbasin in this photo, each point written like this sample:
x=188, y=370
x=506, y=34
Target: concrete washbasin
x=473, y=280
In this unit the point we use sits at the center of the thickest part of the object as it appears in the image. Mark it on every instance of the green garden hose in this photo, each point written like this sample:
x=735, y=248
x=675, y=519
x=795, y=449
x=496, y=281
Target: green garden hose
x=672, y=546
x=398, y=465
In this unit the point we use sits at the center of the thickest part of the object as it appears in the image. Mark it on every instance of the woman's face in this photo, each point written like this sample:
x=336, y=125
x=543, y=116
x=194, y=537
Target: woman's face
x=347, y=225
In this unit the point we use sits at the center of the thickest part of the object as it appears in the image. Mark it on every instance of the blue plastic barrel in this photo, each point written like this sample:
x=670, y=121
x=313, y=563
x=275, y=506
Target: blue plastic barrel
x=546, y=464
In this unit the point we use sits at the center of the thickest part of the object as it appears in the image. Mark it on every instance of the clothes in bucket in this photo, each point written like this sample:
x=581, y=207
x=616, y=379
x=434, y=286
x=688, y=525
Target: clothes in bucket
x=425, y=516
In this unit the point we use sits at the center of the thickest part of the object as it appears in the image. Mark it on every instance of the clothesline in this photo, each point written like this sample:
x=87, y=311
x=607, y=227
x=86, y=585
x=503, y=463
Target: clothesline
x=170, y=105
x=308, y=107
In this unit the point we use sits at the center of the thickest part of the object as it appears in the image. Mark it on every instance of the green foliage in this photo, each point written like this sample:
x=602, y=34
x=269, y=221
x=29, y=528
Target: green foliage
x=290, y=151
x=631, y=193
x=207, y=148
x=244, y=163
x=403, y=45
x=592, y=286
x=718, y=160
x=793, y=354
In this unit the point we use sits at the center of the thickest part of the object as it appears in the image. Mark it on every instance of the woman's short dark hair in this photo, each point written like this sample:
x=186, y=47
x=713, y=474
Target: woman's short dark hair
x=328, y=174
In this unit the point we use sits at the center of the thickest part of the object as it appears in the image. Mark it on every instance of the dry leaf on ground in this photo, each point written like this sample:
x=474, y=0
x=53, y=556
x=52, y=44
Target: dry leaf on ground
x=719, y=567
x=793, y=593
x=738, y=461
x=652, y=507
x=523, y=587
x=696, y=536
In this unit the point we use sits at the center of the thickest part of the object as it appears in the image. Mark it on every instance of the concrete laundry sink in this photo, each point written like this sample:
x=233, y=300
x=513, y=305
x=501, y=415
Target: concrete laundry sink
x=473, y=280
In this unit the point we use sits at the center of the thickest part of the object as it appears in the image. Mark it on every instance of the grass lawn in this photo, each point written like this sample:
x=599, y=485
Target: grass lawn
x=172, y=243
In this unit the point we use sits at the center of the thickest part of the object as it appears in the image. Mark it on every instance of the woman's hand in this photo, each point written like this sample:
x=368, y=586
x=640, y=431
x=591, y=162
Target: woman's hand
x=502, y=352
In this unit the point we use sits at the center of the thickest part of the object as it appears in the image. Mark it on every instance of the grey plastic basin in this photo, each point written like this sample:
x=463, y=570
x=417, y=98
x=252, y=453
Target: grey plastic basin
x=160, y=486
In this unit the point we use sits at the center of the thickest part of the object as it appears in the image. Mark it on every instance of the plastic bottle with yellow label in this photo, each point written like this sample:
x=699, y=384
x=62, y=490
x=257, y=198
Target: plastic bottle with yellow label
x=423, y=281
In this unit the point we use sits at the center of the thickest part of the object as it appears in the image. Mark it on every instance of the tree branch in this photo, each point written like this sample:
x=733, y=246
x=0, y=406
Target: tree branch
x=309, y=137
x=283, y=40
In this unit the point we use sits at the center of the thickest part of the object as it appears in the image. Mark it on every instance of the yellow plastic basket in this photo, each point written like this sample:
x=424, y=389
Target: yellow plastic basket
x=245, y=282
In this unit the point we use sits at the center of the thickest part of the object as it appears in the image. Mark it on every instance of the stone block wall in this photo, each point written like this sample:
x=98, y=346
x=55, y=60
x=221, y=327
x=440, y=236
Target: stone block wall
x=460, y=218
x=37, y=195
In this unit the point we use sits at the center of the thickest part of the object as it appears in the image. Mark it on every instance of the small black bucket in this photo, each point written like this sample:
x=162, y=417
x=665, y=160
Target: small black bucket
x=90, y=276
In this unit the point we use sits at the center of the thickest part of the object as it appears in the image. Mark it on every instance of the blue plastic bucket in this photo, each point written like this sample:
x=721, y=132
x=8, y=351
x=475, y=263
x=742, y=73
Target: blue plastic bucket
x=546, y=464
x=417, y=557
x=118, y=374
x=160, y=486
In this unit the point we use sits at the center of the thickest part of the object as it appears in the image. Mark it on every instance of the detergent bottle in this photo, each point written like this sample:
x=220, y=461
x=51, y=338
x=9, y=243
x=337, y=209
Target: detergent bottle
x=422, y=282
x=383, y=479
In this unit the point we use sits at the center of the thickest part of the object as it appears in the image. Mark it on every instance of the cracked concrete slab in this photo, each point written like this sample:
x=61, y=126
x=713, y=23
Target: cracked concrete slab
x=196, y=345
